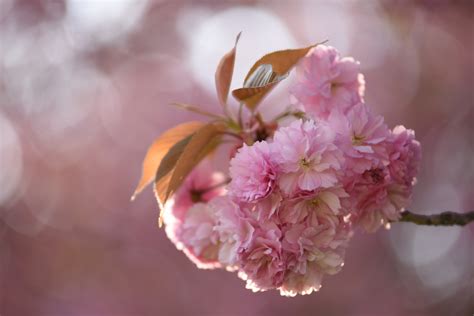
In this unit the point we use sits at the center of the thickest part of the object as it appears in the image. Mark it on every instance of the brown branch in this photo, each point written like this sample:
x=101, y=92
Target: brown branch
x=441, y=219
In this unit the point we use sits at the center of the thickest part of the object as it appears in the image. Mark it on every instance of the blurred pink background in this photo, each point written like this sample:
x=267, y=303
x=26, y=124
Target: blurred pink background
x=85, y=87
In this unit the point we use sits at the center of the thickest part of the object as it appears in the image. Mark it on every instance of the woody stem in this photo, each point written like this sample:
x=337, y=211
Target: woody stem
x=441, y=219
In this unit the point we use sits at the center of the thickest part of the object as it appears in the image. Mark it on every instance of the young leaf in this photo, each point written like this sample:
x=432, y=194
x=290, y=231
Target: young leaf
x=258, y=85
x=165, y=170
x=168, y=163
x=200, y=144
x=262, y=76
x=224, y=73
x=281, y=63
x=158, y=150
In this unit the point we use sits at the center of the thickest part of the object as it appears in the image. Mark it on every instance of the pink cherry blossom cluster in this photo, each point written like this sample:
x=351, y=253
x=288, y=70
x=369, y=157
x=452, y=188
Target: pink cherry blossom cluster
x=294, y=200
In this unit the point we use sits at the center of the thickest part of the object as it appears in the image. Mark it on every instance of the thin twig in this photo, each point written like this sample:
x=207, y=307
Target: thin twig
x=441, y=219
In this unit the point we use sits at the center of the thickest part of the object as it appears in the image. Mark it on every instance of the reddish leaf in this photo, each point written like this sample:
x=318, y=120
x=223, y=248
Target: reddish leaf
x=266, y=73
x=224, y=72
x=182, y=158
x=166, y=168
x=159, y=149
x=282, y=61
x=258, y=86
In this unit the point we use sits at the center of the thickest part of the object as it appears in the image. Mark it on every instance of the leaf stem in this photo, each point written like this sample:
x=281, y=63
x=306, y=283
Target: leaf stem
x=195, y=109
x=233, y=135
x=239, y=115
x=215, y=186
x=441, y=219
x=285, y=114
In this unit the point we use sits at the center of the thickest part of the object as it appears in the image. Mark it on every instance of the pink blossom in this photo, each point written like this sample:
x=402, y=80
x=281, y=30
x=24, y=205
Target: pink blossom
x=329, y=262
x=235, y=231
x=293, y=248
x=315, y=244
x=266, y=208
x=382, y=206
x=294, y=199
x=307, y=156
x=199, y=186
x=326, y=200
x=368, y=197
x=253, y=172
x=325, y=81
x=198, y=237
x=380, y=194
x=375, y=200
x=262, y=264
x=405, y=156
x=302, y=283
x=360, y=135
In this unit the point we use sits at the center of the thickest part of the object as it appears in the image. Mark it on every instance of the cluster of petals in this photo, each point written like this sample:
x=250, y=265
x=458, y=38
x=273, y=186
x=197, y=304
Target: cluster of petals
x=254, y=173
x=299, y=228
x=380, y=191
x=327, y=81
x=288, y=214
x=189, y=222
x=307, y=155
x=379, y=165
